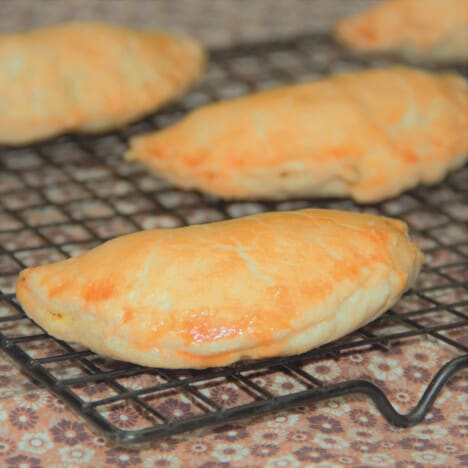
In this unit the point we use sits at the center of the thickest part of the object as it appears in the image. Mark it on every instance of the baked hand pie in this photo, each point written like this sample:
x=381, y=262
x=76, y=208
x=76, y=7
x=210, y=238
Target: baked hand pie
x=88, y=77
x=419, y=30
x=369, y=135
x=209, y=295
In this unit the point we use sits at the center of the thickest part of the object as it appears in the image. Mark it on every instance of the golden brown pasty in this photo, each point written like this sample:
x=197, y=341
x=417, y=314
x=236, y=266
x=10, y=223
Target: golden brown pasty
x=88, y=77
x=208, y=295
x=368, y=135
x=430, y=30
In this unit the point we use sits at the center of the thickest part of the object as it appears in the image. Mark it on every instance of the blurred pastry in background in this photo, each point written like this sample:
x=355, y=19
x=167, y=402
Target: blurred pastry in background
x=418, y=30
x=368, y=135
x=88, y=77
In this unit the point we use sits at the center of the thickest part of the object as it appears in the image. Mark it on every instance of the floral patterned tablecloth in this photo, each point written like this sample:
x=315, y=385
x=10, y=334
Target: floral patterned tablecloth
x=37, y=430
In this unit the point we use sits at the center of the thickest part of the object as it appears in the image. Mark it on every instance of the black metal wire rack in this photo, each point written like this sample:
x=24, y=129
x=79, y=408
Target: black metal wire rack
x=62, y=197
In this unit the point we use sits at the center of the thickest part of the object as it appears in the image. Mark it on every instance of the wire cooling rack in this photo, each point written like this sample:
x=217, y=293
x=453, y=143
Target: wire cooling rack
x=65, y=196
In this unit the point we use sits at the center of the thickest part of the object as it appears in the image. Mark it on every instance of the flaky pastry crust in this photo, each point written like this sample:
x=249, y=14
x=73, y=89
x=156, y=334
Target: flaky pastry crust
x=209, y=295
x=368, y=135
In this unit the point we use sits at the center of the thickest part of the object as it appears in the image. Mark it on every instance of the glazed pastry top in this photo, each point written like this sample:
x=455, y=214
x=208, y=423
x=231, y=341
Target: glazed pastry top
x=368, y=134
x=264, y=285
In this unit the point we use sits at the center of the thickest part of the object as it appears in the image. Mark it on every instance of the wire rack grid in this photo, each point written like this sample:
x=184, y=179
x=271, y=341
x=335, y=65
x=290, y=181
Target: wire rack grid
x=65, y=196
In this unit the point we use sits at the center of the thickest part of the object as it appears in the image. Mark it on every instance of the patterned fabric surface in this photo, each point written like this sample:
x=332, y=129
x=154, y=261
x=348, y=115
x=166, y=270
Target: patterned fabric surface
x=37, y=430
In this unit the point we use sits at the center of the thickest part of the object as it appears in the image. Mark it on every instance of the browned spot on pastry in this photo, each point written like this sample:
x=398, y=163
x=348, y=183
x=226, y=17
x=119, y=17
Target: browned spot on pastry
x=237, y=162
x=127, y=315
x=98, y=291
x=159, y=153
x=57, y=289
x=192, y=159
x=410, y=156
x=366, y=32
x=210, y=176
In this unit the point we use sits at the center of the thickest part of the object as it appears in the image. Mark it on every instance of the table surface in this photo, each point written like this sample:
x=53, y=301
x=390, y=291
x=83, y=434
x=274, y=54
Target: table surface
x=37, y=430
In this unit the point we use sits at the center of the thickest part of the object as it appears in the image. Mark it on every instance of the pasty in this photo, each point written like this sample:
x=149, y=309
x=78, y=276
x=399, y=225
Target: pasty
x=419, y=30
x=368, y=135
x=209, y=295
x=88, y=77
